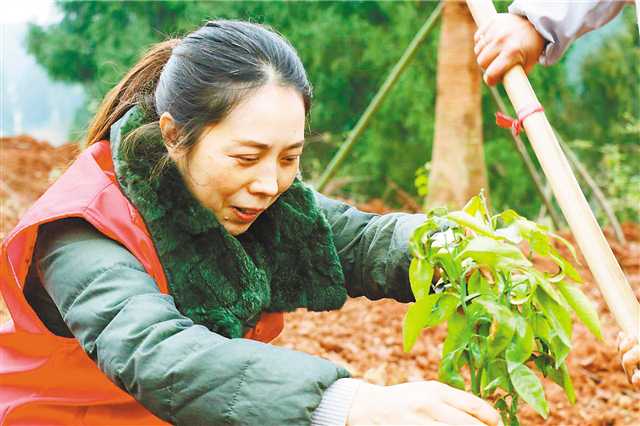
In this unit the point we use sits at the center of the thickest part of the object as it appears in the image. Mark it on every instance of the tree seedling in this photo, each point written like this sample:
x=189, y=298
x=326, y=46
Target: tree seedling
x=505, y=317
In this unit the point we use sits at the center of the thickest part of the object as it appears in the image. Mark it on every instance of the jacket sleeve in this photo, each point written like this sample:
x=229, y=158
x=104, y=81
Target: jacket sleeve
x=561, y=23
x=182, y=372
x=373, y=249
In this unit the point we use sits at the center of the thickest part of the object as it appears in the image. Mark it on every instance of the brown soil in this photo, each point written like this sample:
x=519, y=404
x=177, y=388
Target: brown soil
x=27, y=168
x=366, y=336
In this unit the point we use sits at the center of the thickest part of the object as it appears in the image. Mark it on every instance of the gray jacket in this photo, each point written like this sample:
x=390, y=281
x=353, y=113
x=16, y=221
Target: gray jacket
x=99, y=292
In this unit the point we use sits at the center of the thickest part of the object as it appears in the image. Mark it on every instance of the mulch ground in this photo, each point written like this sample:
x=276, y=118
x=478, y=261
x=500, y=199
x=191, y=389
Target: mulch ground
x=366, y=336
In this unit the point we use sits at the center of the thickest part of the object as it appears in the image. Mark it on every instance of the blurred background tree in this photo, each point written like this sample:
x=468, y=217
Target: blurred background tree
x=348, y=48
x=457, y=168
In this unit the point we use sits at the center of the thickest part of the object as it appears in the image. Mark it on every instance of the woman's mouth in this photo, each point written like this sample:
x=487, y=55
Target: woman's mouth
x=245, y=214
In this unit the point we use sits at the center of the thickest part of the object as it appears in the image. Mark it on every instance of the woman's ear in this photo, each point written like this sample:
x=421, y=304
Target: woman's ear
x=169, y=130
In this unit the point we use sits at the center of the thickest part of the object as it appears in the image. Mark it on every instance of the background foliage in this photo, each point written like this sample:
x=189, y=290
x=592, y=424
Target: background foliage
x=348, y=48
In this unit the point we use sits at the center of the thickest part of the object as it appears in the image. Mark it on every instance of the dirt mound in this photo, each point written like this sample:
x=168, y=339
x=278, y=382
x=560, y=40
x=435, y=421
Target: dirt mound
x=27, y=168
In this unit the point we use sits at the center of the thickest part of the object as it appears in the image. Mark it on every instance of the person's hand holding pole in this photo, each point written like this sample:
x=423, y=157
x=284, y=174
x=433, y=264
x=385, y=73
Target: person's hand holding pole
x=629, y=350
x=505, y=41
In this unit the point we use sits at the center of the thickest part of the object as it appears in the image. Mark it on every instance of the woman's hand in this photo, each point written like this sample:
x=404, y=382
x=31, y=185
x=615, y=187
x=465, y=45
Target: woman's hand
x=629, y=350
x=505, y=41
x=419, y=403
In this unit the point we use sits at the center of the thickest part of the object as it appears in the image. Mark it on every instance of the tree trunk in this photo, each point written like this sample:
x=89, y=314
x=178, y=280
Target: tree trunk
x=458, y=170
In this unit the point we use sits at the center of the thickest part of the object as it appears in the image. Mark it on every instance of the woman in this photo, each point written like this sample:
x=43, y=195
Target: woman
x=190, y=187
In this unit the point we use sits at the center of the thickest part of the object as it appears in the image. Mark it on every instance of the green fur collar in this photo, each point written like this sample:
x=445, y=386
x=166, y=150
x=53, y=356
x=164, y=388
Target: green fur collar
x=286, y=260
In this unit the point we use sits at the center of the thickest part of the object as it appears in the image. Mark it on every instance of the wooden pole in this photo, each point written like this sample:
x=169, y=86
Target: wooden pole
x=595, y=189
x=607, y=272
x=528, y=162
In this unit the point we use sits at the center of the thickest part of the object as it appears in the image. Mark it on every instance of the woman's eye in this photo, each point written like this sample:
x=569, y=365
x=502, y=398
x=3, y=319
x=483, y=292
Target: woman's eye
x=248, y=159
x=291, y=159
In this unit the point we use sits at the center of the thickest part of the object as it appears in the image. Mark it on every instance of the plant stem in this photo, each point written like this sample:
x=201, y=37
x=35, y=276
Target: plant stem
x=463, y=294
x=475, y=378
x=513, y=412
x=478, y=390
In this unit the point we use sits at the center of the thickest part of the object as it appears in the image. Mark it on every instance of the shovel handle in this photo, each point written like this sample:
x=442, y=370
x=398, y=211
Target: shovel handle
x=606, y=271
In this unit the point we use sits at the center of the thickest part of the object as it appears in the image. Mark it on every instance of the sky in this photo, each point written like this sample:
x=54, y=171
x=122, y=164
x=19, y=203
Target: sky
x=22, y=11
x=30, y=103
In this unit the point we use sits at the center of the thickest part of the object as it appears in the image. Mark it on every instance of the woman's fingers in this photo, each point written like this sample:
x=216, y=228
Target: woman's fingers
x=480, y=44
x=631, y=361
x=482, y=31
x=500, y=65
x=487, y=54
x=472, y=405
x=624, y=342
x=454, y=416
x=629, y=350
x=507, y=40
x=496, y=55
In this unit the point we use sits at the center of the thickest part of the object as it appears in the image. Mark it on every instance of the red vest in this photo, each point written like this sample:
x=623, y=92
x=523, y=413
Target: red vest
x=49, y=380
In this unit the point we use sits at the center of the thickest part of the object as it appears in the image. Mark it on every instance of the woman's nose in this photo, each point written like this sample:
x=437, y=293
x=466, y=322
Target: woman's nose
x=266, y=182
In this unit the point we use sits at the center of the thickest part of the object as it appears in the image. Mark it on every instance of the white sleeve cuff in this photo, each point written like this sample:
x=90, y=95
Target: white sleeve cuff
x=336, y=403
x=560, y=23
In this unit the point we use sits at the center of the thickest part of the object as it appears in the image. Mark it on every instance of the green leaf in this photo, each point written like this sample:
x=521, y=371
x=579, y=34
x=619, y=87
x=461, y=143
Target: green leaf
x=543, y=331
x=510, y=233
x=420, y=276
x=528, y=387
x=476, y=206
x=420, y=235
x=508, y=216
x=568, y=245
x=559, y=349
x=443, y=309
x=458, y=335
x=565, y=266
x=445, y=260
x=472, y=222
x=538, y=238
x=558, y=317
x=559, y=375
x=522, y=286
x=411, y=328
x=477, y=349
x=478, y=283
x=495, y=254
x=549, y=288
x=502, y=406
x=449, y=370
x=513, y=420
x=582, y=306
x=567, y=384
x=416, y=319
x=495, y=375
x=502, y=326
x=427, y=312
x=521, y=347
x=536, y=235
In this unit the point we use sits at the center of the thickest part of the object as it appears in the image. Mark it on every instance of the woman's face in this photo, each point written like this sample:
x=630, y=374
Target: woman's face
x=240, y=166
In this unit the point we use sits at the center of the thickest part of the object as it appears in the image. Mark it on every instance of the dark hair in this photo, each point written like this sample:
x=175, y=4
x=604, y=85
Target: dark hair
x=199, y=79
